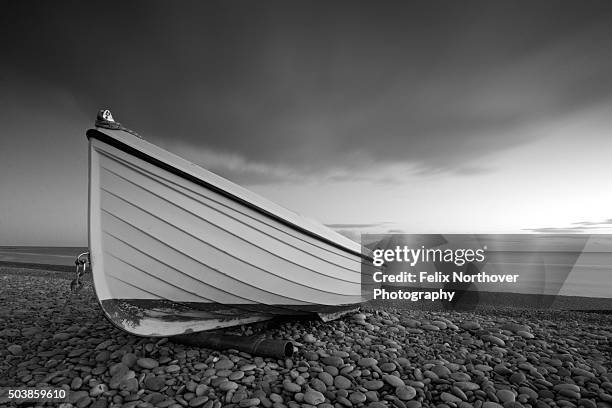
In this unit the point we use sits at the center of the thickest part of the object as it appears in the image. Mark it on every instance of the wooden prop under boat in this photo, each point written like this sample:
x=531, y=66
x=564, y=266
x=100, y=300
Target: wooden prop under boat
x=176, y=249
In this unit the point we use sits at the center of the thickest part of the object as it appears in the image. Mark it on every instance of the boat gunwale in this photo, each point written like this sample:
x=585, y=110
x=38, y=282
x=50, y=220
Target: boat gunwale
x=105, y=138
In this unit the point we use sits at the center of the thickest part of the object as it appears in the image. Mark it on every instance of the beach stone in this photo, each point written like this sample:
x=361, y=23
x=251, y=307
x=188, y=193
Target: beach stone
x=224, y=364
x=373, y=385
x=77, y=352
x=367, y=362
x=103, y=356
x=198, y=401
x=227, y=386
x=517, y=378
x=129, y=359
x=587, y=403
x=501, y=369
x=308, y=338
x=318, y=385
x=83, y=402
x=402, y=362
x=566, y=386
x=388, y=367
x=405, y=392
x=99, y=403
x=248, y=367
x=467, y=386
x=9, y=332
x=393, y=380
x=411, y=323
x=276, y=399
x=342, y=383
x=15, y=349
x=236, y=375
x=528, y=392
x=313, y=397
x=333, y=361
x=459, y=393
x=291, y=387
x=61, y=336
x=431, y=375
x=545, y=394
x=506, y=396
x=129, y=385
x=414, y=331
x=74, y=397
x=120, y=377
x=494, y=340
x=201, y=389
x=147, y=363
x=242, y=394
x=447, y=397
x=173, y=368
x=250, y=402
x=491, y=404
x=441, y=371
x=486, y=368
x=580, y=372
x=76, y=383
x=441, y=325
x=326, y=378
x=357, y=397
x=220, y=373
x=570, y=394
x=97, y=390
x=30, y=331
x=156, y=398
x=459, y=376
x=515, y=327
x=311, y=356
x=155, y=383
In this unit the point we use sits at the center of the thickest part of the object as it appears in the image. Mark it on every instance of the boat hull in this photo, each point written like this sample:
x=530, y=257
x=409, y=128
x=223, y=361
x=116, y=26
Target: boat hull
x=175, y=249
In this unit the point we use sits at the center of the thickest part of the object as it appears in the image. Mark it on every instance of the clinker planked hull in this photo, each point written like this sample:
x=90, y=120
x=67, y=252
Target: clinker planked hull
x=176, y=249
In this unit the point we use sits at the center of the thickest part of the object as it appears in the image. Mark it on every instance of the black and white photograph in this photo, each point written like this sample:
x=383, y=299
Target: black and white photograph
x=306, y=203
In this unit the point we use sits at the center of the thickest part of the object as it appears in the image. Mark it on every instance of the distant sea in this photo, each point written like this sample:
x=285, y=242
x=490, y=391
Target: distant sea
x=61, y=258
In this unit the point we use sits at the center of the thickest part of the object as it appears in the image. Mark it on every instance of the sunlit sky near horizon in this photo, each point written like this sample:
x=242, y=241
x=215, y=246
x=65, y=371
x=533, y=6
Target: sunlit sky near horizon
x=428, y=117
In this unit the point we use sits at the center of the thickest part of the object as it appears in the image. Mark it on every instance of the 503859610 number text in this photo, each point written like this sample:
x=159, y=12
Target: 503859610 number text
x=44, y=394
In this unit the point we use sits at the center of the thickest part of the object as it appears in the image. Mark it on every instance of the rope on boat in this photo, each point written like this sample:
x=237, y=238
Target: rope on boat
x=82, y=262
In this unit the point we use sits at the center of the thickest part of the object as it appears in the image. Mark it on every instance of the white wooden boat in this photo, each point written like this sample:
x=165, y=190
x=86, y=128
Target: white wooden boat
x=176, y=249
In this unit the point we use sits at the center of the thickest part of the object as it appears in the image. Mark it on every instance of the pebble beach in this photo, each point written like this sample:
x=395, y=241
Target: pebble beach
x=376, y=357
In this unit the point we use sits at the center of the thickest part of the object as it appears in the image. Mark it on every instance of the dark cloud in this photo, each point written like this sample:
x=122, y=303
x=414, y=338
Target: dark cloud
x=555, y=230
x=595, y=223
x=312, y=85
x=580, y=227
x=354, y=226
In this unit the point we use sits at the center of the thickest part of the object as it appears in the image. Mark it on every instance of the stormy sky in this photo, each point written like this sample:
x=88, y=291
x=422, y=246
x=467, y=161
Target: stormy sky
x=437, y=116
